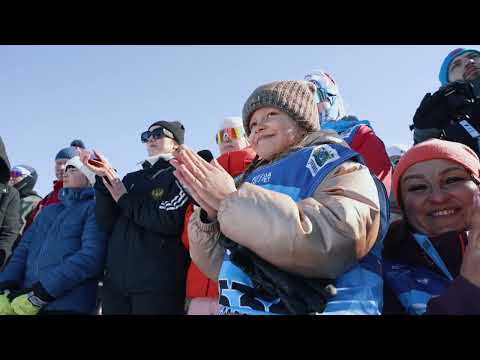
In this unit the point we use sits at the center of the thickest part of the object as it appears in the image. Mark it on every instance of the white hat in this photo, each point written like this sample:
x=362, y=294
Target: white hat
x=75, y=162
x=232, y=122
x=397, y=150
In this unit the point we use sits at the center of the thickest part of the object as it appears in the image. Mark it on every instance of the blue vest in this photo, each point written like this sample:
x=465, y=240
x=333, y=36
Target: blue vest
x=359, y=290
x=414, y=286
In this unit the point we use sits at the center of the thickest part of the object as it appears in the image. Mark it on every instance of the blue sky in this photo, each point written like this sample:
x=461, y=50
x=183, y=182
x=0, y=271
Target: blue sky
x=108, y=95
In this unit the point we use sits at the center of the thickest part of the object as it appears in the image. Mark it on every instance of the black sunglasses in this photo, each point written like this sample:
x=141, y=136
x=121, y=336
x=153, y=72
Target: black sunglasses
x=158, y=133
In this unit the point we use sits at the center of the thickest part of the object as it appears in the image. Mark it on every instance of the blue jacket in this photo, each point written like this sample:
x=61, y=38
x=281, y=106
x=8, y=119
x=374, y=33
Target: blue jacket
x=64, y=250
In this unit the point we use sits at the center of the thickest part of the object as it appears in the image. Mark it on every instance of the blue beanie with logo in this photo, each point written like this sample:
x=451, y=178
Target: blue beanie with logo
x=443, y=75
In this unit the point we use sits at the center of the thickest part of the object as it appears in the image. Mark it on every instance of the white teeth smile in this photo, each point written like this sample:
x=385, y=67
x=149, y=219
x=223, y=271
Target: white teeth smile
x=442, y=212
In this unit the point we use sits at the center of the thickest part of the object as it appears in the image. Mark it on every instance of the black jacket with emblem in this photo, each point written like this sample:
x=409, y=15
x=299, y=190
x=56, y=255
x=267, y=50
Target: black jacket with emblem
x=145, y=252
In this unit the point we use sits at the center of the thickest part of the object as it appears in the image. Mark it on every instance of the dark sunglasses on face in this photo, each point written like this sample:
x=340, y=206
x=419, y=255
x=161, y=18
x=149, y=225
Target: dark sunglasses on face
x=158, y=133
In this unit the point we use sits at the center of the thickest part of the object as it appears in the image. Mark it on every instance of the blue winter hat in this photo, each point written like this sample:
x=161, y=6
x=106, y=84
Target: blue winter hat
x=443, y=75
x=78, y=143
x=67, y=153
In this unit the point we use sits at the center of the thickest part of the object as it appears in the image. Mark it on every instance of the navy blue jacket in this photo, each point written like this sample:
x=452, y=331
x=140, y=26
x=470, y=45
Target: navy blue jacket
x=63, y=250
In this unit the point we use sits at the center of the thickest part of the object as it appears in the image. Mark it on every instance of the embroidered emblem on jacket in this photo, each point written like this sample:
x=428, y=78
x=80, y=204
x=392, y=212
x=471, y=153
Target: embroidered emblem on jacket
x=321, y=156
x=157, y=193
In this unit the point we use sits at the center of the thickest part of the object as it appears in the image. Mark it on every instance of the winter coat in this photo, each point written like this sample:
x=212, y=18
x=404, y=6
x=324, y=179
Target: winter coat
x=342, y=222
x=27, y=205
x=9, y=208
x=145, y=252
x=50, y=199
x=414, y=284
x=29, y=198
x=361, y=138
x=63, y=250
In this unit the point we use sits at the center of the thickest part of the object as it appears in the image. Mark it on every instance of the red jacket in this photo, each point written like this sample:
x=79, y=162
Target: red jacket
x=51, y=198
x=198, y=285
x=369, y=145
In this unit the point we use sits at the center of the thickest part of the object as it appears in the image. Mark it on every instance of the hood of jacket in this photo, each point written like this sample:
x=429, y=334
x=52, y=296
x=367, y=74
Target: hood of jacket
x=4, y=164
x=25, y=187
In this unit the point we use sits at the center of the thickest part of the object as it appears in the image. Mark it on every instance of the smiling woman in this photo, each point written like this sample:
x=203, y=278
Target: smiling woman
x=432, y=257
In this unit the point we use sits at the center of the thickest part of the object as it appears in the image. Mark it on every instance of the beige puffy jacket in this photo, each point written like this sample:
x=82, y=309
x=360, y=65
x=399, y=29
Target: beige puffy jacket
x=340, y=223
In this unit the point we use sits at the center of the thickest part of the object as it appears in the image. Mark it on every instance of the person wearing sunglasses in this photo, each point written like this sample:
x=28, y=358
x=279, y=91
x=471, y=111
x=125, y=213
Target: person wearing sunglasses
x=231, y=136
x=236, y=155
x=9, y=208
x=24, y=178
x=143, y=214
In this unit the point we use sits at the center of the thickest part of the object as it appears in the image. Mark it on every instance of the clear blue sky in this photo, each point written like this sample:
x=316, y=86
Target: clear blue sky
x=108, y=95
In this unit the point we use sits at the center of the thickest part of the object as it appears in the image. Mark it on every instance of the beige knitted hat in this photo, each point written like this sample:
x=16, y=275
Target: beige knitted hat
x=294, y=97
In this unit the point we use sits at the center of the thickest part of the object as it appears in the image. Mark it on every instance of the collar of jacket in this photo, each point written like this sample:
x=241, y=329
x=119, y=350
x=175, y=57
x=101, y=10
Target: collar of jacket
x=70, y=195
x=57, y=185
x=152, y=161
x=315, y=138
x=344, y=124
x=400, y=245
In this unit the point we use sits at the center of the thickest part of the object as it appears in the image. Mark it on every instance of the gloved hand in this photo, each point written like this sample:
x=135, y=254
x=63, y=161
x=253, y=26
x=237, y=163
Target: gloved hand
x=432, y=112
x=461, y=99
x=31, y=301
x=5, y=306
x=6, y=288
x=450, y=102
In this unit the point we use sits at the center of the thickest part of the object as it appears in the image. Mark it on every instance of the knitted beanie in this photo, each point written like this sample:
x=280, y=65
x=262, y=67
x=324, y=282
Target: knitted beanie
x=436, y=149
x=231, y=122
x=76, y=163
x=67, y=153
x=443, y=74
x=294, y=97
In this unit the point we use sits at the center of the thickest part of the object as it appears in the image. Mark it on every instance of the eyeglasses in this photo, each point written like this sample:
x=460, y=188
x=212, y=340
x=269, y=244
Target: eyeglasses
x=158, y=133
x=229, y=133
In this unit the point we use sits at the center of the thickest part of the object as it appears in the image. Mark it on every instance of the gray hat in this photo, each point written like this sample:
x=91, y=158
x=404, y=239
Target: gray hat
x=294, y=97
